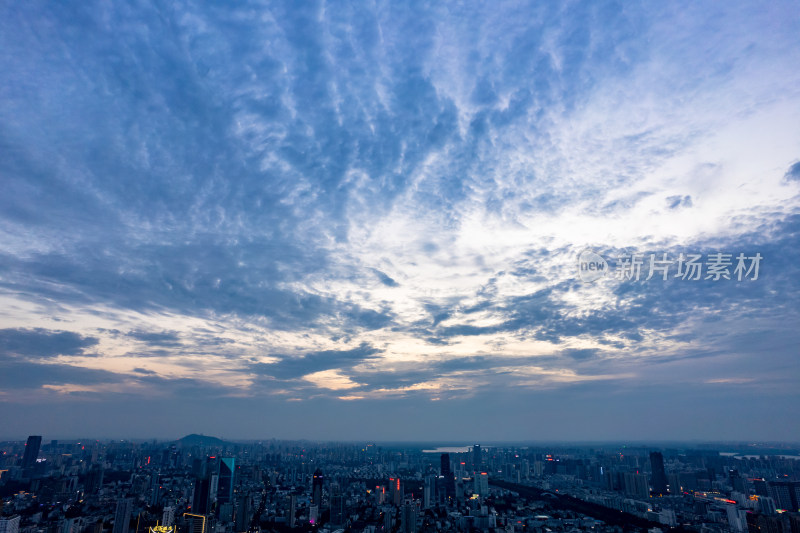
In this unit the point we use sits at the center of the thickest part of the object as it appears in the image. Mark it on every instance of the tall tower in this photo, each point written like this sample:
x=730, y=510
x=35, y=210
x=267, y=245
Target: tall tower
x=409, y=517
x=481, y=482
x=9, y=524
x=122, y=518
x=659, y=474
x=292, y=510
x=429, y=492
x=445, y=465
x=31, y=451
x=316, y=488
x=168, y=516
x=227, y=469
x=337, y=517
x=396, y=490
x=200, y=503
x=449, y=483
x=477, y=460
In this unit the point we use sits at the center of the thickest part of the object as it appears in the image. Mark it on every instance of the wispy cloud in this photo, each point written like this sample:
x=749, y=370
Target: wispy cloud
x=272, y=202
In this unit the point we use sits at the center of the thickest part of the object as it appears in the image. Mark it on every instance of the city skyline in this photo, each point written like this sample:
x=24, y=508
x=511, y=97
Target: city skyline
x=366, y=222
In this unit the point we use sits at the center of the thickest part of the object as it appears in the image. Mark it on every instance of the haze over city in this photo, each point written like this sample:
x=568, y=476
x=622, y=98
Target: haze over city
x=363, y=221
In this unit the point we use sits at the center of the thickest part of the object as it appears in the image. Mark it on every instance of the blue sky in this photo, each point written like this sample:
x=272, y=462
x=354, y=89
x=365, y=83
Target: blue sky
x=362, y=221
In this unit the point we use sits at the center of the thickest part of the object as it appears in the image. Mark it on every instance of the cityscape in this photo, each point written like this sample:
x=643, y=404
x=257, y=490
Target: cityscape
x=202, y=484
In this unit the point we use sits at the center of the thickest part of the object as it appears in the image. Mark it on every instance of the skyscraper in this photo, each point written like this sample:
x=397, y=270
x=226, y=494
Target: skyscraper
x=122, y=518
x=31, y=451
x=659, y=480
x=316, y=488
x=227, y=469
x=409, y=517
x=481, y=482
x=168, y=516
x=445, y=465
x=477, y=459
x=337, y=518
x=244, y=511
x=429, y=492
x=396, y=490
x=448, y=482
x=292, y=510
x=94, y=480
x=9, y=524
x=200, y=503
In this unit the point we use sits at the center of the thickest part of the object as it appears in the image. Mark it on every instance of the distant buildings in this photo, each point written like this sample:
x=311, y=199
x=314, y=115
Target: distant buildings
x=109, y=487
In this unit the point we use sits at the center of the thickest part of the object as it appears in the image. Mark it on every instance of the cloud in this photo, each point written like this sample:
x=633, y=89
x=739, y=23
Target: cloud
x=288, y=367
x=387, y=201
x=42, y=343
x=16, y=375
x=674, y=202
x=164, y=338
x=793, y=174
x=386, y=280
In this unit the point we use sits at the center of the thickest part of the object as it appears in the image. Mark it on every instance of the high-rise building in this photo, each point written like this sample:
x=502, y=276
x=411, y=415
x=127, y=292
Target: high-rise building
x=409, y=517
x=659, y=479
x=200, y=503
x=244, y=511
x=227, y=469
x=69, y=525
x=396, y=490
x=477, y=459
x=448, y=485
x=338, y=516
x=31, y=451
x=445, y=464
x=317, y=481
x=9, y=524
x=292, y=510
x=155, y=488
x=785, y=494
x=429, y=492
x=760, y=486
x=674, y=481
x=213, y=486
x=122, y=518
x=636, y=485
x=388, y=518
x=481, y=481
x=195, y=523
x=168, y=516
x=94, y=480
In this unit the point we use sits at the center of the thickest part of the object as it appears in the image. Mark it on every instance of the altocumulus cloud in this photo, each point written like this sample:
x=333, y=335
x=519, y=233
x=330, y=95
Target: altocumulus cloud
x=238, y=205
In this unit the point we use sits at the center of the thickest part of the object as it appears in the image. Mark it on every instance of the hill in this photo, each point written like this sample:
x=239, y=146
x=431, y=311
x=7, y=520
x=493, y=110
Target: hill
x=200, y=440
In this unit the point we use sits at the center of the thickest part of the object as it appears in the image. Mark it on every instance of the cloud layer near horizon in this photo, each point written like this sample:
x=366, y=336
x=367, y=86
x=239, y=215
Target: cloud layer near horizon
x=382, y=205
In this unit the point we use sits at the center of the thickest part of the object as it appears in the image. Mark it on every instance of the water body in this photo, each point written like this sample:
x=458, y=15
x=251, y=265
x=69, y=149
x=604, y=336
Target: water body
x=449, y=449
x=756, y=456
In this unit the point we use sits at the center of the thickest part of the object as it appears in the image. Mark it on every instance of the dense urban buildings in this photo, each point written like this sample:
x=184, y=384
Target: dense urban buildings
x=204, y=485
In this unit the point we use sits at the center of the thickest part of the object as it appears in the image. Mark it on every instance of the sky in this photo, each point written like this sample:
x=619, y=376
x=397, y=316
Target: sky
x=365, y=220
